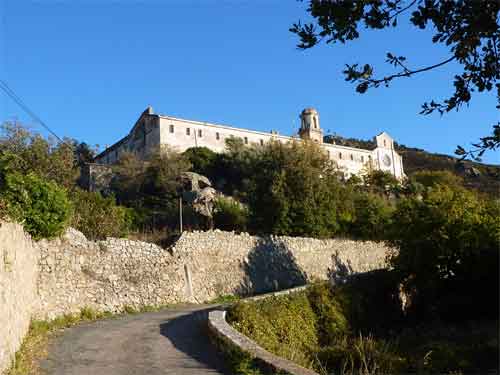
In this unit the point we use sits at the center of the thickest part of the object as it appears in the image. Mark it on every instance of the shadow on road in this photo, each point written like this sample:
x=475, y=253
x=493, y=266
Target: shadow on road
x=189, y=334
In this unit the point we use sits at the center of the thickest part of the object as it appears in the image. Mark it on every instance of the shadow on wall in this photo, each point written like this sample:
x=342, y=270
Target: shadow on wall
x=271, y=266
x=340, y=270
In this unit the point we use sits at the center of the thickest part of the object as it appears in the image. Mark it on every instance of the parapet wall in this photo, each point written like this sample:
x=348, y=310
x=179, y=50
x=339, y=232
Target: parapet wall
x=49, y=278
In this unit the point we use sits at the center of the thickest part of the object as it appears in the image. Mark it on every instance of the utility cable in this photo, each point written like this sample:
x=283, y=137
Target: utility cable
x=25, y=108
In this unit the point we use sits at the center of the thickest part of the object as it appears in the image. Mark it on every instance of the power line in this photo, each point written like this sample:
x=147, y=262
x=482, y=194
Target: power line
x=25, y=108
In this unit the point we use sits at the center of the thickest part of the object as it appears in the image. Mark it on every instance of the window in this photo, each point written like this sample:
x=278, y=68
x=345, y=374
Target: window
x=340, y=155
x=362, y=159
x=188, y=131
x=328, y=153
x=246, y=140
x=384, y=142
x=262, y=142
x=199, y=133
x=352, y=157
x=217, y=136
x=171, y=128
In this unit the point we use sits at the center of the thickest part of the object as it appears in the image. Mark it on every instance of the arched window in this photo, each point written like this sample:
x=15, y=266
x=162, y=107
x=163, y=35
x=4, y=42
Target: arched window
x=340, y=155
x=315, y=123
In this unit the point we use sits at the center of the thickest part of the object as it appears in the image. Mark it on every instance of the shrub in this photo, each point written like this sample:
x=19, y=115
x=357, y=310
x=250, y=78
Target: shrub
x=99, y=217
x=433, y=178
x=294, y=191
x=361, y=355
x=448, y=251
x=284, y=325
x=331, y=320
x=372, y=216
x=41, y=206
x=202, y=160
x=28, y=152
x=230, y=214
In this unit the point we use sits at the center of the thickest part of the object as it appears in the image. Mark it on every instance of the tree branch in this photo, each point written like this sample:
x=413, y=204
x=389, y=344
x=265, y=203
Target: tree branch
x=402, y=10
x=409, y=73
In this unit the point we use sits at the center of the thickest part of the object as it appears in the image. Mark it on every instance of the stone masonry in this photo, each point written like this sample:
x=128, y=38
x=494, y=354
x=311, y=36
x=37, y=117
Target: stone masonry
x=18, y=298
x=46, y=279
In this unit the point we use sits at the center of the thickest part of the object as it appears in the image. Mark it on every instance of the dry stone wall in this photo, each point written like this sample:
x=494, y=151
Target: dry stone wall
x=18, y=297
x=105, y=275
x=225, y=263
x=46, y=279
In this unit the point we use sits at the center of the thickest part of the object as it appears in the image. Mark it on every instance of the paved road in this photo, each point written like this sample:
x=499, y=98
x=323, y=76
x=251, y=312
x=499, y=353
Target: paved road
x=173, y=341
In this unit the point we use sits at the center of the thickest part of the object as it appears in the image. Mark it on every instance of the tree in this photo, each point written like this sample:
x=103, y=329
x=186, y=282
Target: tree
x=295, y=191
x=448, y=251
x=28, y=152
x=41, y=206
x=433, y=178
x=202, y=159
x=468, y=28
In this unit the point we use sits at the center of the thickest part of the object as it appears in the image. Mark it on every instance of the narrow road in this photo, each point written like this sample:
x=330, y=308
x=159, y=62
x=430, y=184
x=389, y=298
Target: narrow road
x=173, y=341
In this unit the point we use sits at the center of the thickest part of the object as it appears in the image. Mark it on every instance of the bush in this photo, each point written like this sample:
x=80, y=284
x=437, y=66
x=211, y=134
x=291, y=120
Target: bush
x=294, y=191
x=365, y=355
x=229, y=215
x=202, y=160
x=332, y=323
x=372, y=216
x=433, y=178
x=99, y=217
x=448, y=252
x=41, y=206
x=284, y=325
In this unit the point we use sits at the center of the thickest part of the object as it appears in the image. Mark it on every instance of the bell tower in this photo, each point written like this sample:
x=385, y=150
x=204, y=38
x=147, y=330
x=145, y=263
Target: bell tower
x=309, y=125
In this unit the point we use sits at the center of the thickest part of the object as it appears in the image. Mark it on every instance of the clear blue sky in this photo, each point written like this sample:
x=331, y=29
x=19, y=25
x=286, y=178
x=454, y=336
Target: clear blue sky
x=88, y=68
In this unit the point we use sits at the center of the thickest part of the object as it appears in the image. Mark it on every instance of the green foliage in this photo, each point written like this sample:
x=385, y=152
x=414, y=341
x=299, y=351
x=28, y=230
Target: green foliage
x=332, y=323
x=152, y=188
x=359, y=329
x=230, y=214
x=372, y=216
x=295, y=191
x=448, y=250
x=361, y=355
x=202, y=159
x=381, y=182
x=99, y=217
x=433, y=178
x=284, y=325
x=24, y=152
x=41, y=206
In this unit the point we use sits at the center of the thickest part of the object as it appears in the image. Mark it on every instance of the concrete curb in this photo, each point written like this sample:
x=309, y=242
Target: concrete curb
x=229, y=336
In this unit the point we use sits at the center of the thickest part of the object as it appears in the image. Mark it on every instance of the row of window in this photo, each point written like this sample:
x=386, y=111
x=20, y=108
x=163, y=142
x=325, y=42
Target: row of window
x=351, y=156
x=217, y=135
x=245, y=140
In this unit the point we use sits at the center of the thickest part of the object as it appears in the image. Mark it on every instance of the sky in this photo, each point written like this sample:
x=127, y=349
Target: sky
x=88, y=68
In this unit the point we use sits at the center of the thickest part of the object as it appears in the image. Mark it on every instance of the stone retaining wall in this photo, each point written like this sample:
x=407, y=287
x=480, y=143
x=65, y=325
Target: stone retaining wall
x=18, y=297
x=105, y=275
x=51, y=278
x=227, y=263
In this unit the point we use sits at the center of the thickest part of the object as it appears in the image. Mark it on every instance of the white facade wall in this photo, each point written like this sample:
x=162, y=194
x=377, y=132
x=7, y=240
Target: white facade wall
x=152, y=130
x=182, y=134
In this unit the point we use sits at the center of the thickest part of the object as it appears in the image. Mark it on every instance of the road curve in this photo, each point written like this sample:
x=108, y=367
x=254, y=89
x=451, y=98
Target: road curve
x=172, y=341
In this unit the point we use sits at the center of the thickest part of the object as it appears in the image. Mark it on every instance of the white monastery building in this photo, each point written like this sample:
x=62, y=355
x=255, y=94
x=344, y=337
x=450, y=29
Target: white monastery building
x=153, y=130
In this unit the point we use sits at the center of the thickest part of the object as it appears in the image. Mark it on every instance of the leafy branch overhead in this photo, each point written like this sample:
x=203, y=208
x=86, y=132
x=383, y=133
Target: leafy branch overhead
x=468, y=28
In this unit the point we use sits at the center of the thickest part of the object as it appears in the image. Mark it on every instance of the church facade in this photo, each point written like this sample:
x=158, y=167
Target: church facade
x=153, y=130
